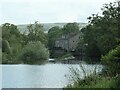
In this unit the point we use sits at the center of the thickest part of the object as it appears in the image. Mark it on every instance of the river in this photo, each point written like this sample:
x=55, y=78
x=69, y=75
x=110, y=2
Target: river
x=49, y=75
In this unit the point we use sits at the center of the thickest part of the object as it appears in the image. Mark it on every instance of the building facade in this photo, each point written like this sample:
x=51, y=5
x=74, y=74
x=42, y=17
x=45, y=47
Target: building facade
x=68, y=42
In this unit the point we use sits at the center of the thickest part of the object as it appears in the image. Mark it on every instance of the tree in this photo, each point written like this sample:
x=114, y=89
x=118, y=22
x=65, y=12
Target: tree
x=8, y=30
x=0, y=55
x=36, y=33
x=34, y=52
x=53, y=34
x=6, y=47
x=70, y=28
x=112, y=61
x=12, y=42
x=103, y=30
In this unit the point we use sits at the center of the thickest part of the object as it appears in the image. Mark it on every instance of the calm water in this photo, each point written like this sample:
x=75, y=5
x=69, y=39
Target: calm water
x=40, y=76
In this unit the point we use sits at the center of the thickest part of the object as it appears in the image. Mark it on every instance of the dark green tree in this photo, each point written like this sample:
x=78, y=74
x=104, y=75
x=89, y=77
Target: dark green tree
x=103, y=30
x=53, y=34
x=71, y=28
x=6, y=47
x=11, y=42
x=8, y=30
x=36, y=33
x=112, y=61
x=34, y=52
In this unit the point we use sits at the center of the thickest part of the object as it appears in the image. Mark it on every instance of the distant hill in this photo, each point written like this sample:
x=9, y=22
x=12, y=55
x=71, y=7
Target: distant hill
x=46, y=26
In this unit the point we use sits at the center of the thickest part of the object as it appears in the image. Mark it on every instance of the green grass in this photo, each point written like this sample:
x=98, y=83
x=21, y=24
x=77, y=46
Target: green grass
x=66, y=55
x=99, y=82
x=94, y=80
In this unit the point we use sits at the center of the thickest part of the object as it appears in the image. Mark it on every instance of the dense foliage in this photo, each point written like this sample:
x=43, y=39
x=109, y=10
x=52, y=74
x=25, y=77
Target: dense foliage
x=0, y=55
x=112, y=61
x=34, y=52
x=53, y=34
x=70, y=28
x=36, y=33
x=102, y=32
x=101, y=37
x=13, y=41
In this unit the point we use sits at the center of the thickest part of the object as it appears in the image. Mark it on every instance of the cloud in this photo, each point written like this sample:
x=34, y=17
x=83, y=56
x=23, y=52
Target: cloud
x=26, y=11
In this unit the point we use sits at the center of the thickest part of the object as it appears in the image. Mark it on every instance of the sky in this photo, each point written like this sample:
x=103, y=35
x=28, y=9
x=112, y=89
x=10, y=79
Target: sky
x=48, y=11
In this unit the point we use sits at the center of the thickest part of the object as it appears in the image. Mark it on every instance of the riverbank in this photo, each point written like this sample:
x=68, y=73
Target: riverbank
x=74, y=60
x=68, y=58
x=97, y=81
x=90, y=82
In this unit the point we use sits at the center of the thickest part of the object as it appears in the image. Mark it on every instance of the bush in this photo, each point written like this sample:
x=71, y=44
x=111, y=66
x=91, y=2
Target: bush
x=90, y=80
x=34, y=52
x=6, y=47
x=112, y=61
x=5, y=58
x=0, y=55
x=115, y=82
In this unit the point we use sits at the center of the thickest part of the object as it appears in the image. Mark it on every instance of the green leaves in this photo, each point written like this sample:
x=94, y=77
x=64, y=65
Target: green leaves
x=70, y=28
x=36, y=33
x=53, y=34
x=8, y=30
x=34, y=52
x=14, y=41
x=103, y=30
x=6, y=47
x=112, y=60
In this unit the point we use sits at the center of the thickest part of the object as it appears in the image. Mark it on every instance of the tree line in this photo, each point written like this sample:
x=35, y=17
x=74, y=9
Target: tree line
x=18, y=47
x=101, y=38
x=101, y=35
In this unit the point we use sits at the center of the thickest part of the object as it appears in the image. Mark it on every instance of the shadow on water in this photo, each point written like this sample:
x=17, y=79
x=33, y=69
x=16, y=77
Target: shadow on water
x=79, y=60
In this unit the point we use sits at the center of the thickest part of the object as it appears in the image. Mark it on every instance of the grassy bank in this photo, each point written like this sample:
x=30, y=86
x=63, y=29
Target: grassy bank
x=97, y=82
x=65, y=56
x=93, y=80
x=109, y=77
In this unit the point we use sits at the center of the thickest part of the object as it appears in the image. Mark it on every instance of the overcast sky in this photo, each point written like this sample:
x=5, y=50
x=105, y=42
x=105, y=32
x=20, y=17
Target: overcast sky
x=48, y=11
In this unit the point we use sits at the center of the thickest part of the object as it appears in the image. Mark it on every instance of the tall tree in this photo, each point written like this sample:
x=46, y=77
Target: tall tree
x=36, y=33
x=103, y=30
x=71, y=28
x=8, y=30
x=12, y=42
x=53, y=34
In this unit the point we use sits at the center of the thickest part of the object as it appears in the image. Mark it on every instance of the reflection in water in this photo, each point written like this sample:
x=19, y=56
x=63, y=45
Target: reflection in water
x=39, y=76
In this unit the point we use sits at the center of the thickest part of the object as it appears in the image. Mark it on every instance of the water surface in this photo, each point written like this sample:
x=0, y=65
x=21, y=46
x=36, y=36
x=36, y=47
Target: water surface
x=40, y=76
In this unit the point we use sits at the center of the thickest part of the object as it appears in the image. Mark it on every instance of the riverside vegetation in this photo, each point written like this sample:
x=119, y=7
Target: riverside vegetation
x=23, y=48
x=108, y=78
x=100, y=39
x=103, y=38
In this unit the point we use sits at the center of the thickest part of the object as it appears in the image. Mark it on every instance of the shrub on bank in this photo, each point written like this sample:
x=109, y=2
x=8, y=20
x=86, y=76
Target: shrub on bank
x=0, y=55
x=34, y=52
x=115, y=82
x=112, y=61
x=6, y=47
